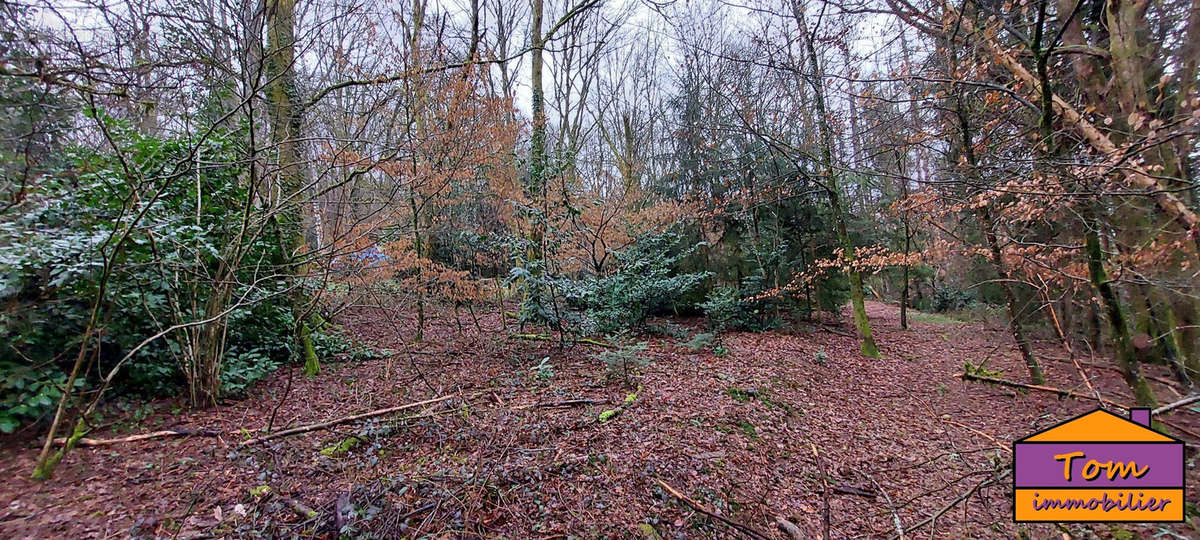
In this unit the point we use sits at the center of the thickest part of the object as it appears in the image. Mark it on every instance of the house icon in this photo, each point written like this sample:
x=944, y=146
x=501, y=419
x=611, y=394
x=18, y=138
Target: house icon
x=1099, y=467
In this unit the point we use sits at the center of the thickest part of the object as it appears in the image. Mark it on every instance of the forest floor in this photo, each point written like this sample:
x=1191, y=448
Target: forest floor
x=790, y=423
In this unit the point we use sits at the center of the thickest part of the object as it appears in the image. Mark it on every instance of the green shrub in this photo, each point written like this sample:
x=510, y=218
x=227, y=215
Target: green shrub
x=950, y=298
x=668, y=329
x=53, y=249
x=543, y=370
x=26, y=392
x=623, y=361
x=833, y=292
x=331, y=344
x=645, y=283
x=745, y=308
x=723, y=308
x=700, y=341
x=242, y=370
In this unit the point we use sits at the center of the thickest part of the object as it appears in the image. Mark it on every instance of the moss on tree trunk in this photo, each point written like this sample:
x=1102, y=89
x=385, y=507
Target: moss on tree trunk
x=1130, y=370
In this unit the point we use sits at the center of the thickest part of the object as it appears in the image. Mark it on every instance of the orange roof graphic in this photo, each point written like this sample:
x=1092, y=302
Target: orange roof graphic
x=1098, y=425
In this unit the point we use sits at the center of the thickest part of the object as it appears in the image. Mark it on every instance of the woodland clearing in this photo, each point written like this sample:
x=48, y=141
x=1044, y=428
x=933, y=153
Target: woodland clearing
x=903, y=445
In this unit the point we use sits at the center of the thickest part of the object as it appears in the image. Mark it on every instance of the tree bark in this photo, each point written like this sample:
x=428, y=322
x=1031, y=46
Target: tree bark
x=1014, y=317
x=285, y=132
x=861, y=322
x=1126, y=358
x=988, y=226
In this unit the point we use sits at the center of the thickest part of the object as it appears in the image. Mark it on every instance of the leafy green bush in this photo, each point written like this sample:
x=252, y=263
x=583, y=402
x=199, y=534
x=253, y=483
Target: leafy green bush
x=332, y=344
x=163, y=259
x=540, y=290
x=745, y=308
x=950, y=298
x=543, y=370
x=833, y=291
x=700, y=341
x=26, y=392
x=668, y=329
x=242, y=370
x=644, y=283
x=722, y=308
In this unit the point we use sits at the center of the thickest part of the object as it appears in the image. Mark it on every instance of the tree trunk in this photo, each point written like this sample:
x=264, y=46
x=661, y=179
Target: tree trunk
x=1014, y=319
x=967, y=140
x=285, y=132
x=907, y=246
x=537, y=142
x=831, y=186
x=1126, y=358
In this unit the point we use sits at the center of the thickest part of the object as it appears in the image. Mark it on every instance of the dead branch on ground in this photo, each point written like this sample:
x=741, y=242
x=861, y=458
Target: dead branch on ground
x=343, y=420
x=851, y=490
x=826, y=514
x=1172, y=406
x=1013, y=384
x=142, y=437
x=740, y=527
x=891, y=506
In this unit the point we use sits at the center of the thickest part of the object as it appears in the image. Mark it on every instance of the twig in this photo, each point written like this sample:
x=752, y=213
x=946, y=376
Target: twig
x=1170, y=384
x=959, y=499
x=980, y=433
x=825, y=512
x=142, y=437
x=1069, y=393
x=419, y=510
x=740, y=527
x=343, y=420
x=1195, y=436
x=891, y=506
x=851, y=490
x=301, y=509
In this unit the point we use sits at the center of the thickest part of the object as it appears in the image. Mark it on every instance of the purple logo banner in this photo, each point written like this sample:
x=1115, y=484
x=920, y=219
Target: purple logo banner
x=1098, y=465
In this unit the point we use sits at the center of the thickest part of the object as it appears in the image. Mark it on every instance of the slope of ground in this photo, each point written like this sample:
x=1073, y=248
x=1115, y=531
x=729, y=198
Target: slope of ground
x=793, y=424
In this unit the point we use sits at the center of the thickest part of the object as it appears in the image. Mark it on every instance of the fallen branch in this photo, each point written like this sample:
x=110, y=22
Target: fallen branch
x=1172, y=406
x=605, y=416
x=301, y=509
x=1067, y=393
x=548, y=337
x=740, y=527
x=891, y=506
x=419, y=510
x=1170, y=384
x=826, y=513
x=141, y=437
x=1190, y=433
x=1005, y=382
x=831, y=327
x=343, y=420
x=834, y=330
x=851, y=490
